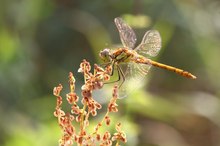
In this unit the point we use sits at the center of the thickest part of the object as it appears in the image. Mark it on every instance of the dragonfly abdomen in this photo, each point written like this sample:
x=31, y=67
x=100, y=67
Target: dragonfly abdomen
x=174, y=69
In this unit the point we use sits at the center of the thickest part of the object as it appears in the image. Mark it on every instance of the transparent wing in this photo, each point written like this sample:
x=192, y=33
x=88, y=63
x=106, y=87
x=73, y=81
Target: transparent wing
x=134, y=77
x=150, y=44
x=127, y=35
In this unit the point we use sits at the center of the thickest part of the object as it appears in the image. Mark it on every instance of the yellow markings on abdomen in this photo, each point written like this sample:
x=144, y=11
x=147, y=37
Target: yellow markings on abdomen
x=174, y=69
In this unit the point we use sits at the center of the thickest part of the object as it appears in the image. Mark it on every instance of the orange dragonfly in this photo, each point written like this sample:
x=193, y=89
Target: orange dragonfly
x=136, y=59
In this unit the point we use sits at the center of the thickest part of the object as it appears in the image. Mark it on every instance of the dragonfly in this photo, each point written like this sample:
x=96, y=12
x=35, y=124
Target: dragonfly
x=136, y=60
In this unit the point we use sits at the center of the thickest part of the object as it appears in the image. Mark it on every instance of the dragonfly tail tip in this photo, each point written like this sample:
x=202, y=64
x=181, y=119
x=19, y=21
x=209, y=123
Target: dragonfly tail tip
x=193, y=77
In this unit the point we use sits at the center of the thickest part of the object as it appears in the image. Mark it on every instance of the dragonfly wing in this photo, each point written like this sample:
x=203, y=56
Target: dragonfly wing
x=134, y=75
x=151, y=43
x=127, y=35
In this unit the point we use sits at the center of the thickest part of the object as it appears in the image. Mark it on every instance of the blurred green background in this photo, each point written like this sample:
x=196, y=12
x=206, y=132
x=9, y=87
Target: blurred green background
x=42, y=40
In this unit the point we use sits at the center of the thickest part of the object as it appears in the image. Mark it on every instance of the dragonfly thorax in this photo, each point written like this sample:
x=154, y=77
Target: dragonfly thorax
x=122, y=55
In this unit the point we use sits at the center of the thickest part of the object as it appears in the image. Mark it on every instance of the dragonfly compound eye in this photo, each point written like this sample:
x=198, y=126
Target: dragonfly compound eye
x=105, y=54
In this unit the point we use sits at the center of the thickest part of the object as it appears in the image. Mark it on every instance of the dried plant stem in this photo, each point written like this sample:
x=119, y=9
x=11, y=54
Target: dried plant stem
x=100, y=124
x=82, y=119
x=117, y=144
x=82, y=123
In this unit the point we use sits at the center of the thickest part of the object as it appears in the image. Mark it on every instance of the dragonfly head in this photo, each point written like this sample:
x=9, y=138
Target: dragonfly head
x=105, y=55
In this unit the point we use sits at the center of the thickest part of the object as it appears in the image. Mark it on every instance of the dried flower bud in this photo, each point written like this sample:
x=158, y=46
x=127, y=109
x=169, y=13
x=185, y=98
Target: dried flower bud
x=76, y=137
x=120, y=135
x=106, y=136
x=115, y=92
x=98, y=85
x=98, y=106
x=78, y=118
x=85, y=100
x=106, y=77
x=107, y=120
x=108, y=69
x=83, y=133
x=98, y=137
x=72, y=98
x=86, y=93
x=57, y=90
x=70, y=130
x=112, y=107
x=98, y=68
x=59, y=101
x=108, y=142
x=59, y=113
x=75, y=109
x=71, y=82
x=85, y=66
x=94, y=112
x=80, y=139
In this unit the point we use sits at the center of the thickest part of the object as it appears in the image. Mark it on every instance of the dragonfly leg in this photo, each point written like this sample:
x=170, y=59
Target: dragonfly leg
x=105, y=64
x=113, y=68
x=120, y=73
